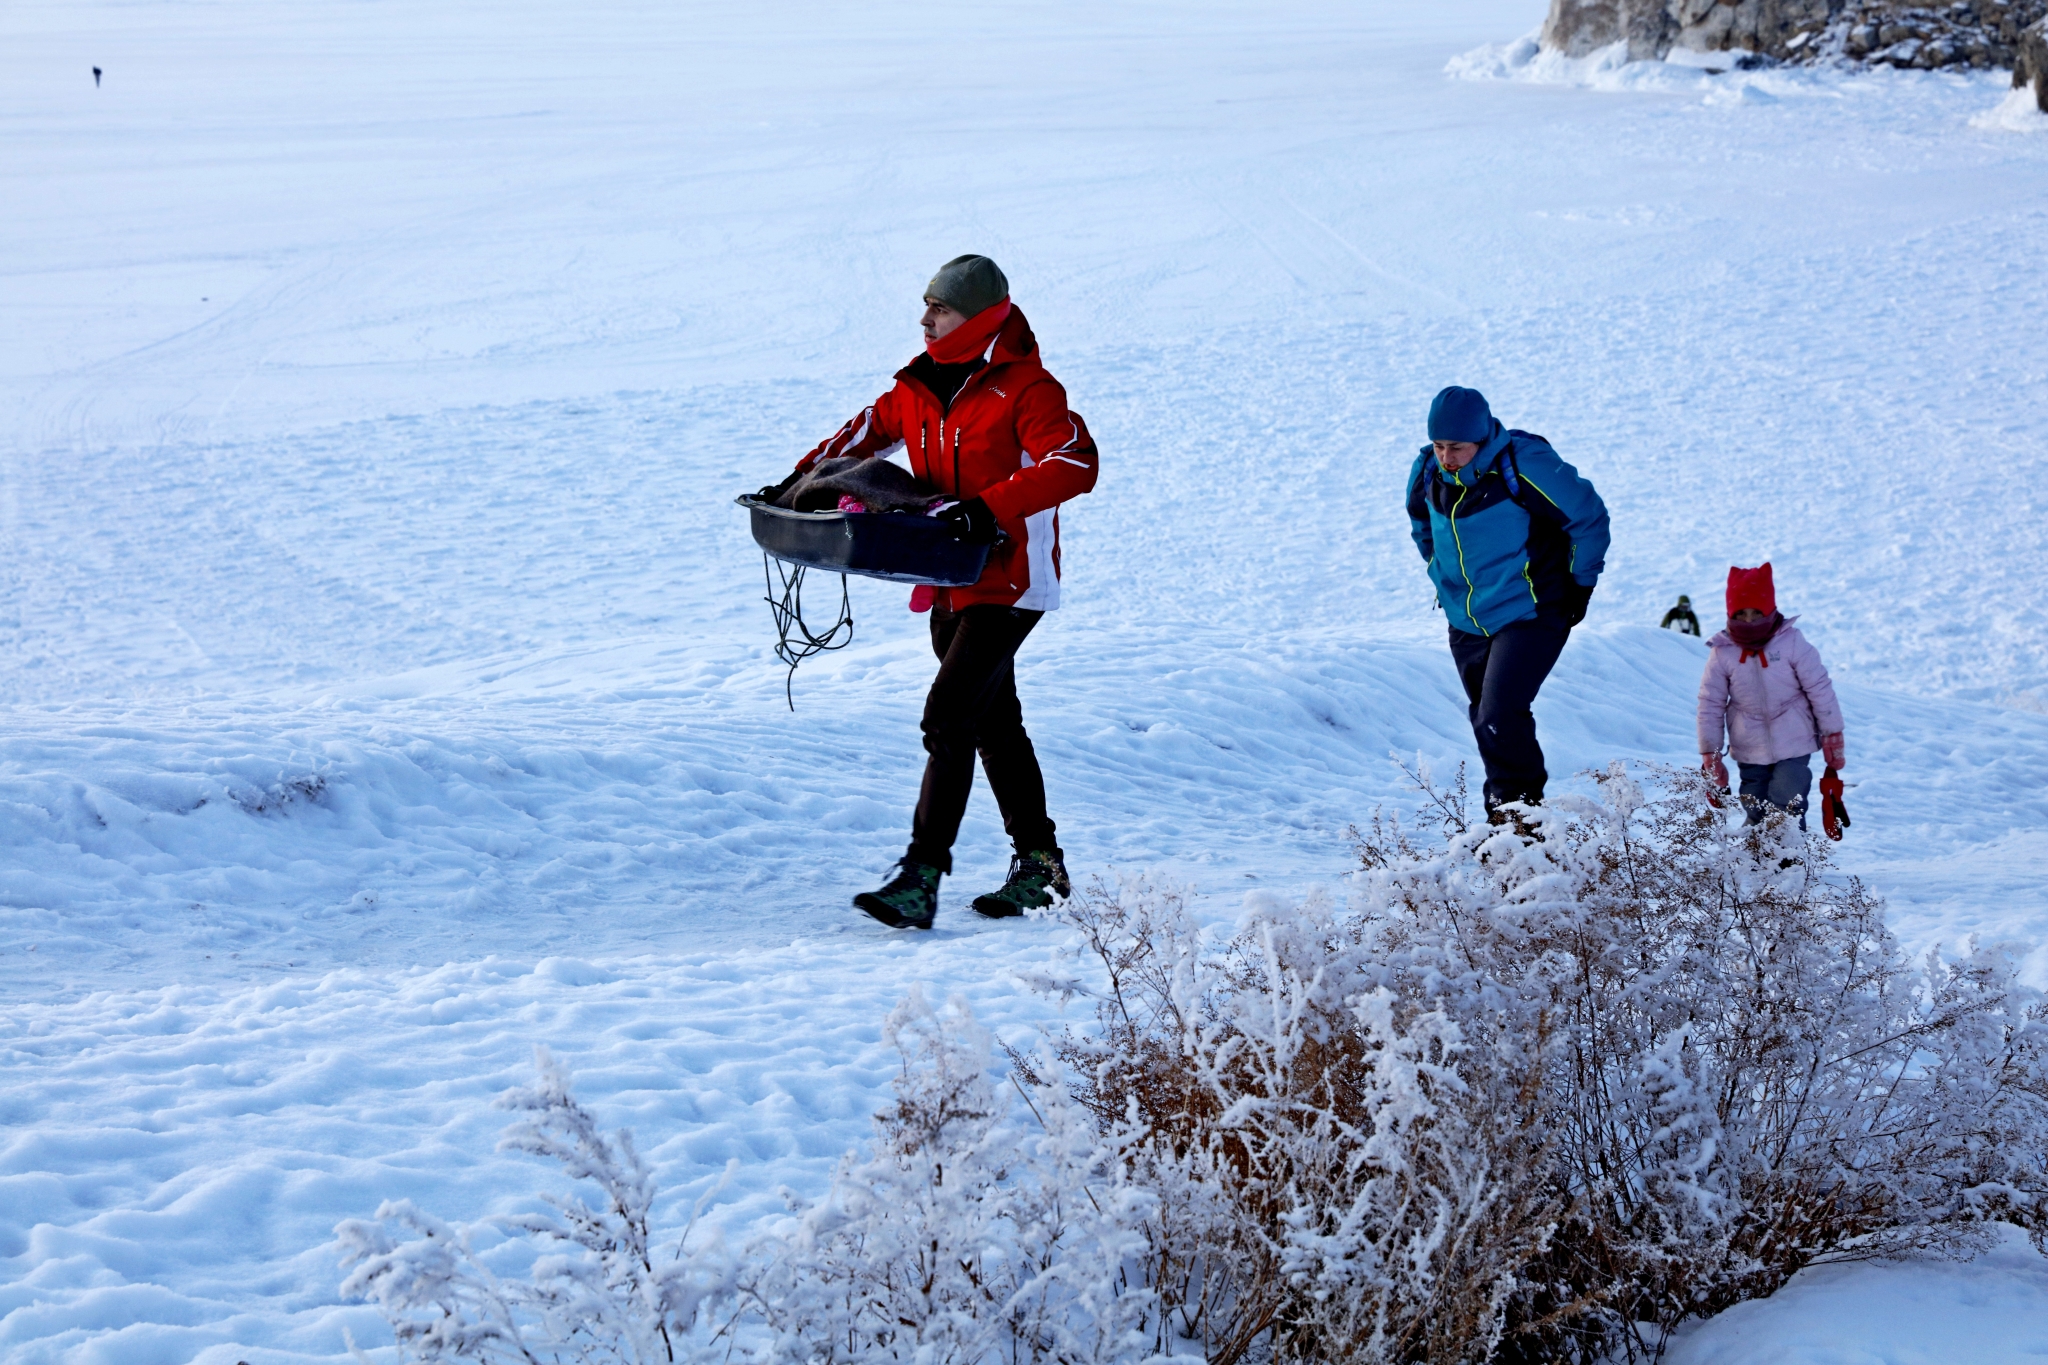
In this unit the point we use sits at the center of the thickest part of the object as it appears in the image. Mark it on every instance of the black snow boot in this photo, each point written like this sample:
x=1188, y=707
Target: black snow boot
x=1035, y=879
x=909, y=900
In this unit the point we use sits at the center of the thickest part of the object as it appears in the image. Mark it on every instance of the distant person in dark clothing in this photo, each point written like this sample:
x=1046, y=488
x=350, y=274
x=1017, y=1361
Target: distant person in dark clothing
x=1682, y=616
x=1515, y=540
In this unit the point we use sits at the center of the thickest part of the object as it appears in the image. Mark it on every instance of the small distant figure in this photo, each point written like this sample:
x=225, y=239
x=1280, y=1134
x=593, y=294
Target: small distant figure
x=1681, y=616
x=95, y=78
x=1767, y=694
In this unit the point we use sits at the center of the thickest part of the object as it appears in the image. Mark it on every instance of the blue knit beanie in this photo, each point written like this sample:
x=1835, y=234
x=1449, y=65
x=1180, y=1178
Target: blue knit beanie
x=1460, y=415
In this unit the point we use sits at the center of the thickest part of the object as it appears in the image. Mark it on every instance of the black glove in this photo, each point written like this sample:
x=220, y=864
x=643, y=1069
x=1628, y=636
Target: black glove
x=972, y=522
x=1576, y=596
x=772, y=492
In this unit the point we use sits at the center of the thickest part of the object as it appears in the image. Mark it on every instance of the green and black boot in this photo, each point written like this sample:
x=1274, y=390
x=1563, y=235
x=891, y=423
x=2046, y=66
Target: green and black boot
x=910, y=899
x=1035, y=878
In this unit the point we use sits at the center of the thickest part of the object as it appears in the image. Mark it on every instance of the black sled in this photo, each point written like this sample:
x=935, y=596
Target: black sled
x=902, y=547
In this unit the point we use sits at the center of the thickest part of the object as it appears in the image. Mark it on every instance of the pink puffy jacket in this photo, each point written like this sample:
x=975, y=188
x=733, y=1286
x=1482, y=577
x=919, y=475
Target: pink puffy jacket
x=1769, y=714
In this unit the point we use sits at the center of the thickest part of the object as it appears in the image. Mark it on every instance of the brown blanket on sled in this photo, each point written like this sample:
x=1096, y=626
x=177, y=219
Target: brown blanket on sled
x=876, y=483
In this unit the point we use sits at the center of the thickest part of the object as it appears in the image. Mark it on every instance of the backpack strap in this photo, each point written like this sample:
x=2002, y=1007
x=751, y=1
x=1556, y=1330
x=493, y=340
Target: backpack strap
x=1510, y=470
x=1424, y=482
x=1511, y=474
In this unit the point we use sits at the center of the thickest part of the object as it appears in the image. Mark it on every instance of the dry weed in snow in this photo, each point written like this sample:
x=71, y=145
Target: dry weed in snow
x=597, y=1292
x=1523, y=1100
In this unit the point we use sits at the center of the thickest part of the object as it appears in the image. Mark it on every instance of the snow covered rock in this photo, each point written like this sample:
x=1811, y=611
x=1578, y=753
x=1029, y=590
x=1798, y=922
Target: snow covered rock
x=2031, y=67
x=1578, y=28
x=1971, y=33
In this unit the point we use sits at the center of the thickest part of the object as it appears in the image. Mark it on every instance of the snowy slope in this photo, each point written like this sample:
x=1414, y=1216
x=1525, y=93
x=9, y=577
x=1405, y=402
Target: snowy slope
x=383, y=680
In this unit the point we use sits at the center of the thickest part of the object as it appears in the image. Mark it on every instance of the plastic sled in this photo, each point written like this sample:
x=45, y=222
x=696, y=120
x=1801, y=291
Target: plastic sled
x=899, y=546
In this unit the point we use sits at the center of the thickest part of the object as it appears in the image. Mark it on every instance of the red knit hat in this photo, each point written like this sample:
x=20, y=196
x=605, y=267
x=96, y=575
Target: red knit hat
x=1751, y=588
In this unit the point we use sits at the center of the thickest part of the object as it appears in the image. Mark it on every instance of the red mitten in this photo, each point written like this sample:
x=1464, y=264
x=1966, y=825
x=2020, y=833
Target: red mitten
x=1831, y=750
x=1717, y=778
x=1834, y=816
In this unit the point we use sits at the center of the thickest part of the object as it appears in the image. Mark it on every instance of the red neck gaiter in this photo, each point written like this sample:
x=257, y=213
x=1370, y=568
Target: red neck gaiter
x=971, y=337
x=1754, y=635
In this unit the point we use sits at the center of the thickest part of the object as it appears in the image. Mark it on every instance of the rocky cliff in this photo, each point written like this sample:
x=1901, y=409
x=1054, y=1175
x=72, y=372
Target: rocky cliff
x=1974, y=33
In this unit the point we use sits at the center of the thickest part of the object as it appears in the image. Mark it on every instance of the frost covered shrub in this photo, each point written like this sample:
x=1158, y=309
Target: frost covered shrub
x=984, y=1224
x=1730, y=1068
x=1339, y=1178
x=1520, y=1101
x=977, y=1229
x=1545, y=1100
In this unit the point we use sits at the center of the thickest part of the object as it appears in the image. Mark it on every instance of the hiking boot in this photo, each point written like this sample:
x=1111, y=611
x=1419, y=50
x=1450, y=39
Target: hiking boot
x=909, y=900
x=1034, y=880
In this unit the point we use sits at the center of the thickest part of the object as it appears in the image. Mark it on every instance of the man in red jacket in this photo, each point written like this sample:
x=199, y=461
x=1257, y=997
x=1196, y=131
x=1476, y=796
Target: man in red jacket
x=982, y=421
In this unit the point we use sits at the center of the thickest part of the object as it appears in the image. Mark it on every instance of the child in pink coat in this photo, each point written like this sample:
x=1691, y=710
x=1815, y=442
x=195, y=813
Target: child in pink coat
x=1766, y=690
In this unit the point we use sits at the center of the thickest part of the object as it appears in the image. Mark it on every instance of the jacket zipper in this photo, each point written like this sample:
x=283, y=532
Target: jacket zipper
x=1463, y=572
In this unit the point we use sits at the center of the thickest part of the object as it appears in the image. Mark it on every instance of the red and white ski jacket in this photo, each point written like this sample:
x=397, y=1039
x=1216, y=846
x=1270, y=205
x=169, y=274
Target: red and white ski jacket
x=1010, y=440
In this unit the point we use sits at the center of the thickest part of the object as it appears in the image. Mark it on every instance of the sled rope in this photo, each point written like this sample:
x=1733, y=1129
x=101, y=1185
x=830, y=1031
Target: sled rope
x=795, y=641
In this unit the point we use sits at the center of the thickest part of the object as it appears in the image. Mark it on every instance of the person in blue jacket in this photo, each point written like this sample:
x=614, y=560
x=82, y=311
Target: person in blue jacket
x=1515, y=540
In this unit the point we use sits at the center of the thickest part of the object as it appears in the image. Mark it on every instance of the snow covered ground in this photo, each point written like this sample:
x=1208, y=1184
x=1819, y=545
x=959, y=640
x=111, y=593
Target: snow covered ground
x=383, y=677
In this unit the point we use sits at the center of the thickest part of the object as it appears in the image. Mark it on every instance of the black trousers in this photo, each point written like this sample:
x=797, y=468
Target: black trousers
x=1502, y=673
x=973, y=708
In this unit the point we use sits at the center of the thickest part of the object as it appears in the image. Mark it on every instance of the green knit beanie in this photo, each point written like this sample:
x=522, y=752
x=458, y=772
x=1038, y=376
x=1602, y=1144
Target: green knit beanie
x=968, y=284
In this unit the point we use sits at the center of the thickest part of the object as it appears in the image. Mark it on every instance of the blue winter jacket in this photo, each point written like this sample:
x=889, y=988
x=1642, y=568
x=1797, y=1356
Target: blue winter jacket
x=1498, y=555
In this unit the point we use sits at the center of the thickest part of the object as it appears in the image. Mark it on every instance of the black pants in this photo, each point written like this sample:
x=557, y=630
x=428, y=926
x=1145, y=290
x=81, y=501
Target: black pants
x=972, y=708
x=1502, y=673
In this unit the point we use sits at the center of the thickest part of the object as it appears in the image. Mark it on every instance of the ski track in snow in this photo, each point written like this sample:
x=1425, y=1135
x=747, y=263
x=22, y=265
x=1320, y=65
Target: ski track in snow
x=383, y=677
